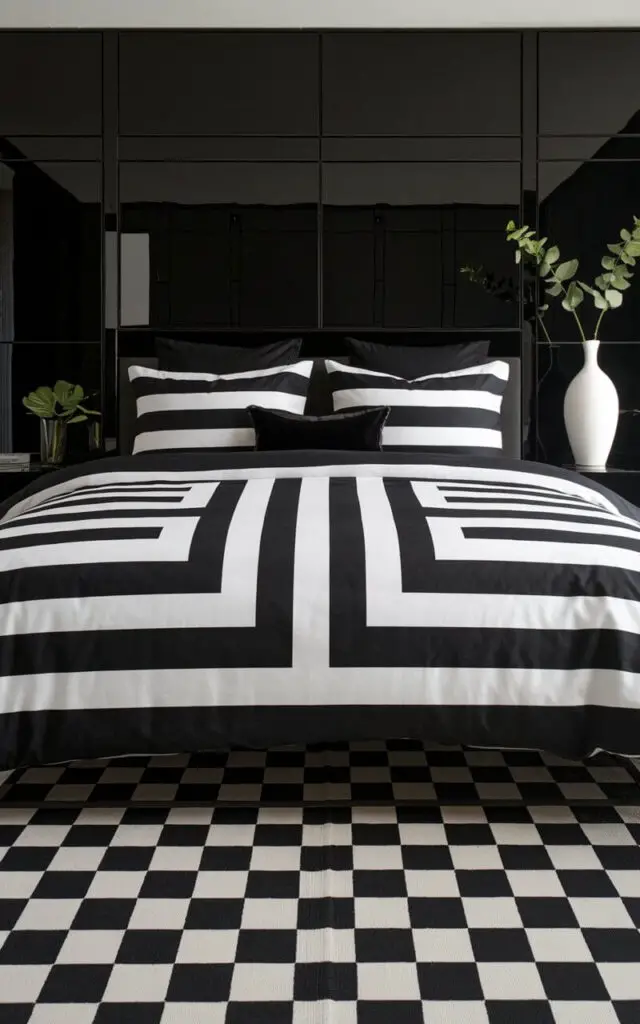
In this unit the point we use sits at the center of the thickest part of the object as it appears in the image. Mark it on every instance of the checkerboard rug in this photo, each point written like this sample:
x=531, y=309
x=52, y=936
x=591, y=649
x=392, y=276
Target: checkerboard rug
x=326, y=914
x=369, y=772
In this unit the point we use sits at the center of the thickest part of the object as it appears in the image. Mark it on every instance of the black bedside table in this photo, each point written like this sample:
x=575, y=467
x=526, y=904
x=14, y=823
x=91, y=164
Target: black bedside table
x=12, y=481
x=625, y=482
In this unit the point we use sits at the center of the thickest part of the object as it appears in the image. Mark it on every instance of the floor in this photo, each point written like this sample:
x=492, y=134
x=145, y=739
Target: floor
x=325, y=914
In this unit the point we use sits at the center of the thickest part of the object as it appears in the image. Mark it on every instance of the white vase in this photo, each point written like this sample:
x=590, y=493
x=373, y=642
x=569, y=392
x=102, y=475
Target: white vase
x=591, y=412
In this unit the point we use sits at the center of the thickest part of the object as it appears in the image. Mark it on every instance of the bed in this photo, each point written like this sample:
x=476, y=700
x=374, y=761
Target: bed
x=177, y=601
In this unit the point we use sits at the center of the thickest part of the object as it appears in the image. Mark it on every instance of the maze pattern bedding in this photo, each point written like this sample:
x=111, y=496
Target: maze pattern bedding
x=181, y=602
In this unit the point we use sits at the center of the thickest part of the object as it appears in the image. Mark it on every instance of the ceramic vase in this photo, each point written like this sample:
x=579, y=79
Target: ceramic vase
x=591, y=410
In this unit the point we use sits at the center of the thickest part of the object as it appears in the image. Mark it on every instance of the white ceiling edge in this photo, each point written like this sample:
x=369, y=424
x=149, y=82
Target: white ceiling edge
x=310, y=14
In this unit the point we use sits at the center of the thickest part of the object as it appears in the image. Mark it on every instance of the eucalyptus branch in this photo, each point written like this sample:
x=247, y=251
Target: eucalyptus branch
x=607, y=289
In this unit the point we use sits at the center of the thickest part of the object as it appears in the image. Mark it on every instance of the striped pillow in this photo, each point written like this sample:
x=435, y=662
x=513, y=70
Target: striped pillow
x=194, y=411
x=455, y=413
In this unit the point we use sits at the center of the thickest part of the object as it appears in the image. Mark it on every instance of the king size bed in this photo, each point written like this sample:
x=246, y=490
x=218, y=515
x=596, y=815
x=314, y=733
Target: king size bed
x=191, y=596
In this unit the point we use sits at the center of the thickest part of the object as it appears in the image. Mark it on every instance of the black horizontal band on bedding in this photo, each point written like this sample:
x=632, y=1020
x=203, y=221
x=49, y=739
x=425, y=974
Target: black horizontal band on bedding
x=58, y=736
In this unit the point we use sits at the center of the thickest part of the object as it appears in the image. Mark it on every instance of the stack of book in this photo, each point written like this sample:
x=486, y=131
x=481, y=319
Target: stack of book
x=15, y=462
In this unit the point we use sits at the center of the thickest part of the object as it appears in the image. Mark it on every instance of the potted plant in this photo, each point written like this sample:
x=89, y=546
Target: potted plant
x=57, y=408
x=591, y=401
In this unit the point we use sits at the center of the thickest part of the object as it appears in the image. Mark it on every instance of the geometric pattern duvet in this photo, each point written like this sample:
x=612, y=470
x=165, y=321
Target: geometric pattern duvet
x=185, y=602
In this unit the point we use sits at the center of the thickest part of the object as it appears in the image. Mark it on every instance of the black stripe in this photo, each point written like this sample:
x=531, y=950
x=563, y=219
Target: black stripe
x=41, y=737
x=277, y=383
x=193, y=419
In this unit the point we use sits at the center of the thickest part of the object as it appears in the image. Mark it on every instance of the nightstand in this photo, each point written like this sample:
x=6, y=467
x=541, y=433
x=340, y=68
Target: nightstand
x=12, y=481
x=625, y=482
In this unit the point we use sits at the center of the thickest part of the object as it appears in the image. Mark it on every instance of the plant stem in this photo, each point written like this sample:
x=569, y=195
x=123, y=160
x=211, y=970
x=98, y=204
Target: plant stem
x=542, y=324
x=598, y=322
x=575, y=315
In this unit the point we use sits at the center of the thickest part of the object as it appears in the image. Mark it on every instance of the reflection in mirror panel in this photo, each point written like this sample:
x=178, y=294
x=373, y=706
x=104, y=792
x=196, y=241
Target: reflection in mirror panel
x=229, y=244
x=583, y=206
x=50, y=83
x=396, y=237
x=50, y=239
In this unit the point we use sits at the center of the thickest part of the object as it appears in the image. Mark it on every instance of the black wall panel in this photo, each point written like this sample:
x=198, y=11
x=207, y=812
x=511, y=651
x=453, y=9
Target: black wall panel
x=304, y=181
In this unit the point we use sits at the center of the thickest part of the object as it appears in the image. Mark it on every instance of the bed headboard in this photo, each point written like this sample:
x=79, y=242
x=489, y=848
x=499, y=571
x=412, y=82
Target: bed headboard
x=511, y=408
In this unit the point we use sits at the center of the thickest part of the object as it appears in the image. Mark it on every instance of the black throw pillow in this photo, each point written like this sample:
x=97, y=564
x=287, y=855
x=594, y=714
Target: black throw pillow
x=359, y=430
x=201, y=357
x=421, y=361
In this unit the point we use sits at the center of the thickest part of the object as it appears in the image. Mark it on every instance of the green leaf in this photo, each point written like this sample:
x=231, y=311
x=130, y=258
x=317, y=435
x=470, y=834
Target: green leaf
x=40, y=402
x=76, y=419
x=511, y=226
x=566, y=270
x=573, y=298
x=600, y=283
x=625, y=235
x=599, y=301
x=543, y=309
x=633, y=249
x=608, y=262
x=616, y=249
x=553, y=255
x=626, y=258
x=623, y=271
x=544, y=269
x=620, y=284
x=555, y=289
x=613, y=298
x=587, y=287
x=636, y=233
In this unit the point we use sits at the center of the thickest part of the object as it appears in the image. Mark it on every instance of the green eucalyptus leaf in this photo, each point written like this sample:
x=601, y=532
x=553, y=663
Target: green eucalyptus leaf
x=626, y=258
x=567, y=270
x=613, y=298
x=587, y=288
x=599, y=301
x=616, y=249
x=511, y=226
x=555, y=289
x=633, y=249
x=636, y=233
x=600, y=283
x=608, y=262
x=553, y=255
x=625, y=235
x=544, y=308
x=620, y=284
x=544, y=269
x=573, y=298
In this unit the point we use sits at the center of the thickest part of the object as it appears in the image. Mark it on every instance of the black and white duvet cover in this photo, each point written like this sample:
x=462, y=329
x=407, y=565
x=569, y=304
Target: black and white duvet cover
x=182, y=602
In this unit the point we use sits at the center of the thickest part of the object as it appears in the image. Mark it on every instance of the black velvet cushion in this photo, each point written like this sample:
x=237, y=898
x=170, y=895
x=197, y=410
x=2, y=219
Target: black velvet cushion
x=201, y=357
x=359, y=430
x=421, y=361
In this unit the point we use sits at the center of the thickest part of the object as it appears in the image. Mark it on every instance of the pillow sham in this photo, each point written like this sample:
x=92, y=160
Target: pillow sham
x=194, y=357
x=359, y=430
x=410, y=362
x=192, y=412
x=455, y=413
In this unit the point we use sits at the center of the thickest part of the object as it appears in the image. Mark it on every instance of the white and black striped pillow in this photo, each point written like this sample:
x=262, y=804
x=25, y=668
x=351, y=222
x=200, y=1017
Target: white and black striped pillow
x=455, y=413
x=194, y=411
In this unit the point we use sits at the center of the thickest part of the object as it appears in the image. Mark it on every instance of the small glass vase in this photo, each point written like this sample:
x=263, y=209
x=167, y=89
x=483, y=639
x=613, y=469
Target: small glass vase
x=94, y=432
x=53, y=441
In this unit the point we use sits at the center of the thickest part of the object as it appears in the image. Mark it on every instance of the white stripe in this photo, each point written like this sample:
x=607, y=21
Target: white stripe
x=454, y=400
x=302, y=369
x=497, y=368
x=441, y=437
x=311, y=577
x=220, y=437
x=320, y=687
x=212, y=400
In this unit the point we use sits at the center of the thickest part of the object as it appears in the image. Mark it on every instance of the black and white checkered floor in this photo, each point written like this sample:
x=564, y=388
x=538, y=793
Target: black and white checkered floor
x=326, y=914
